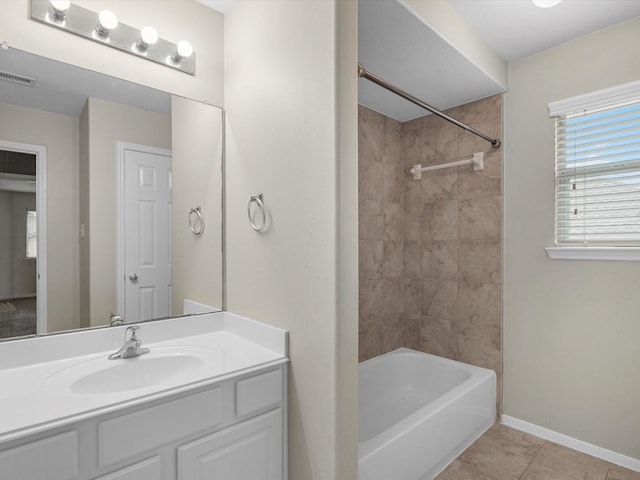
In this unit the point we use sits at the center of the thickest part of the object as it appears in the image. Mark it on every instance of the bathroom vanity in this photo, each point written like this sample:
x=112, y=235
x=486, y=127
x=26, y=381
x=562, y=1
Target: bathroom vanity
x=208, y=401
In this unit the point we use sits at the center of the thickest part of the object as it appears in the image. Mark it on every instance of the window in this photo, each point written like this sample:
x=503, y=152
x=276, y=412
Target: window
x=597, y=186
x=32, y=234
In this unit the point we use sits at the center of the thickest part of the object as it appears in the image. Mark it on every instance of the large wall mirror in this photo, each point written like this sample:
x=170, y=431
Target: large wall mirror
x=110, y=200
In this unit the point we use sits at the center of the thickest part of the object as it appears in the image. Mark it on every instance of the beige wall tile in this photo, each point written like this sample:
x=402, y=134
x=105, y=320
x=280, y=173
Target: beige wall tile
x=440, y=260
x=370, y=298
x=436, y=232
x=370, y=255
x=480, y=304
x=412, y=325
x=484, y=182
x=392, y=332
x=369, y=338
x=484, y=115
x=413, y=197
x=479, y=345
x=440, y=299
x=412, y=263
x=370, y=183
x=439, y=141
x=392, y=184
x=439, y=221
x=412, y=227
x=370, y=227
x=392, y=148
x=370, y=136
x=411, y=143
x=438, y=337
x=393, y=258
x=392, y=300
x=412, y=294
x=480, y=218
x=480, y=261
x=439, y=185
x=392, y=214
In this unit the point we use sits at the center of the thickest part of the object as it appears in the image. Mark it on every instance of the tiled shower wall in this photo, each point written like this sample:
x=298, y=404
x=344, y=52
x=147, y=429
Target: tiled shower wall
x=381, y=243
x=431, y=276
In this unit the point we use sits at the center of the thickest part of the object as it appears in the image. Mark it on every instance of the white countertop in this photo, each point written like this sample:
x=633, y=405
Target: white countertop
x=32, y=399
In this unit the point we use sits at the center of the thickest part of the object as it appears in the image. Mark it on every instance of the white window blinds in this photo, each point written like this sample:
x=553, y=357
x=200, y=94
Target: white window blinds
x=597, y=192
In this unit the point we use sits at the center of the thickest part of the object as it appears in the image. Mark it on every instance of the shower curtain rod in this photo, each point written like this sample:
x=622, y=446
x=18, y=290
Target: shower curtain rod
x=362, y=72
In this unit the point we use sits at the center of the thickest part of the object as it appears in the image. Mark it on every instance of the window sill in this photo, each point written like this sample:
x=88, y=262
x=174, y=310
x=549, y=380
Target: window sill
x=629, y=254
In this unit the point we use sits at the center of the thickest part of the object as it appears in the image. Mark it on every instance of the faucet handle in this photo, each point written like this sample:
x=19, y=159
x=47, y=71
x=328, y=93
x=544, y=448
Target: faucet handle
x=134, y=332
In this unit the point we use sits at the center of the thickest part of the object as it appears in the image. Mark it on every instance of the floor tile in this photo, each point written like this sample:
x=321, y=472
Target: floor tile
x=556, y=462
x=503, y=453
x=619, y=473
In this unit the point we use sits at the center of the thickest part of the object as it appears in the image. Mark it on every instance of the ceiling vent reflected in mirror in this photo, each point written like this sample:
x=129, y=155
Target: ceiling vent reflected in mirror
x=104, y=28
x=19, y=79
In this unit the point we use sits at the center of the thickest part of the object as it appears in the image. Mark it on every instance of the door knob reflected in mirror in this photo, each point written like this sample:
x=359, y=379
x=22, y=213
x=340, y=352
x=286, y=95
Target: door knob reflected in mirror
x=133, y=277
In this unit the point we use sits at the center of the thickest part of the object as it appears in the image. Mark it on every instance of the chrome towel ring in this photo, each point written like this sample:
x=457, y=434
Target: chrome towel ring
x=196, y=221
x=257, y=199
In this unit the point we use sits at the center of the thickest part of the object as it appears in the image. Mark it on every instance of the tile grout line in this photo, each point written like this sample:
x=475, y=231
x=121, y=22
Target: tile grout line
x=533, y=460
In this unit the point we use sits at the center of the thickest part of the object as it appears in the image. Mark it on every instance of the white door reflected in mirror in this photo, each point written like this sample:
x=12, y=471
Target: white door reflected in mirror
x=146, y=212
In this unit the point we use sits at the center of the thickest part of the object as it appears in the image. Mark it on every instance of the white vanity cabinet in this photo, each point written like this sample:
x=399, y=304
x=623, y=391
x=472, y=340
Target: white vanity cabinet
x=229, y=430
x=251, y=450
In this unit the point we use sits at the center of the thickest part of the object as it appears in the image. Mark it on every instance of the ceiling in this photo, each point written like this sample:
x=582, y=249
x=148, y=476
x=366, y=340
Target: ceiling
x=395, y=44
x=517, y=28
x=63, y=89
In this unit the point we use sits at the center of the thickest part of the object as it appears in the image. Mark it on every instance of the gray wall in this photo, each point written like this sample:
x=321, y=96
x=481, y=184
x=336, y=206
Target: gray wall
x=571, y=327
x=291, y=131
x=109, y=123
x=59, y=134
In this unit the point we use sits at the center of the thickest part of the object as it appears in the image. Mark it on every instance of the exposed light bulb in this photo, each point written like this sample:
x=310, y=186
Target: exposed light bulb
x=58, y=9
x=148, y=37
x=107, y=21
x=546, y=3
x=183, y=50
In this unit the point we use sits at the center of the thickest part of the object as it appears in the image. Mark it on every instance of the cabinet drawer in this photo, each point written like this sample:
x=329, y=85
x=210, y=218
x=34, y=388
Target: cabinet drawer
x=258, y=393
x=142, y=431
x=250, y=450
x=150, y=469
x=53, y=458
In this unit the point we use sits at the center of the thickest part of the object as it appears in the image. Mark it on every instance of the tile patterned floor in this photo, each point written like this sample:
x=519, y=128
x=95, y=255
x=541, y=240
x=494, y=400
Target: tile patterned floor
x=506, y=454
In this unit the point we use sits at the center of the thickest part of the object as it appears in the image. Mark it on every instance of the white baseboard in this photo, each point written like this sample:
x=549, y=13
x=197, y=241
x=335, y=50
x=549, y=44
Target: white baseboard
x=574, y=443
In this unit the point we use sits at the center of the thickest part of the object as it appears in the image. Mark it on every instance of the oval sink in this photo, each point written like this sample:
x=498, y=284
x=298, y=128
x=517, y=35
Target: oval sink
x=134, y=373
x=103, y=376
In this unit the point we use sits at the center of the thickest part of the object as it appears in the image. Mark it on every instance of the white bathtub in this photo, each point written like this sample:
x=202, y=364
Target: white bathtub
x=418, y=412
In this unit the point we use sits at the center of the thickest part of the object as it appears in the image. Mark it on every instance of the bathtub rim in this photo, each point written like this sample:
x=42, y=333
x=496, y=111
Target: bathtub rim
x=478, y=375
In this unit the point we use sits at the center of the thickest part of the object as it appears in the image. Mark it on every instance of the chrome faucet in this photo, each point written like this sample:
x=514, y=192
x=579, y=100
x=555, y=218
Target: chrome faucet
x=131, y=347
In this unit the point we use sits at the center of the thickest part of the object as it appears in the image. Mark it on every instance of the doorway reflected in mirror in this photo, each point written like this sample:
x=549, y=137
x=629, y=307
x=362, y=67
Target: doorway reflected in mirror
x=18, y=285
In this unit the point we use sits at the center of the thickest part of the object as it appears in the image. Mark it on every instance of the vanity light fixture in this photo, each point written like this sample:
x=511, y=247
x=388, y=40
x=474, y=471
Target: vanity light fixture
x=183, y=50
x=58, y=10
x=546, y=3
x=107, y=22
x=148, y=37
x=104, y=27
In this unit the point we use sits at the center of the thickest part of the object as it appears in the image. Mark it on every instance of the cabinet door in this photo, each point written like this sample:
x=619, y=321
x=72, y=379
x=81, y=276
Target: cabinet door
x=52, y=458
x=150, y=469
x=250, y=450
